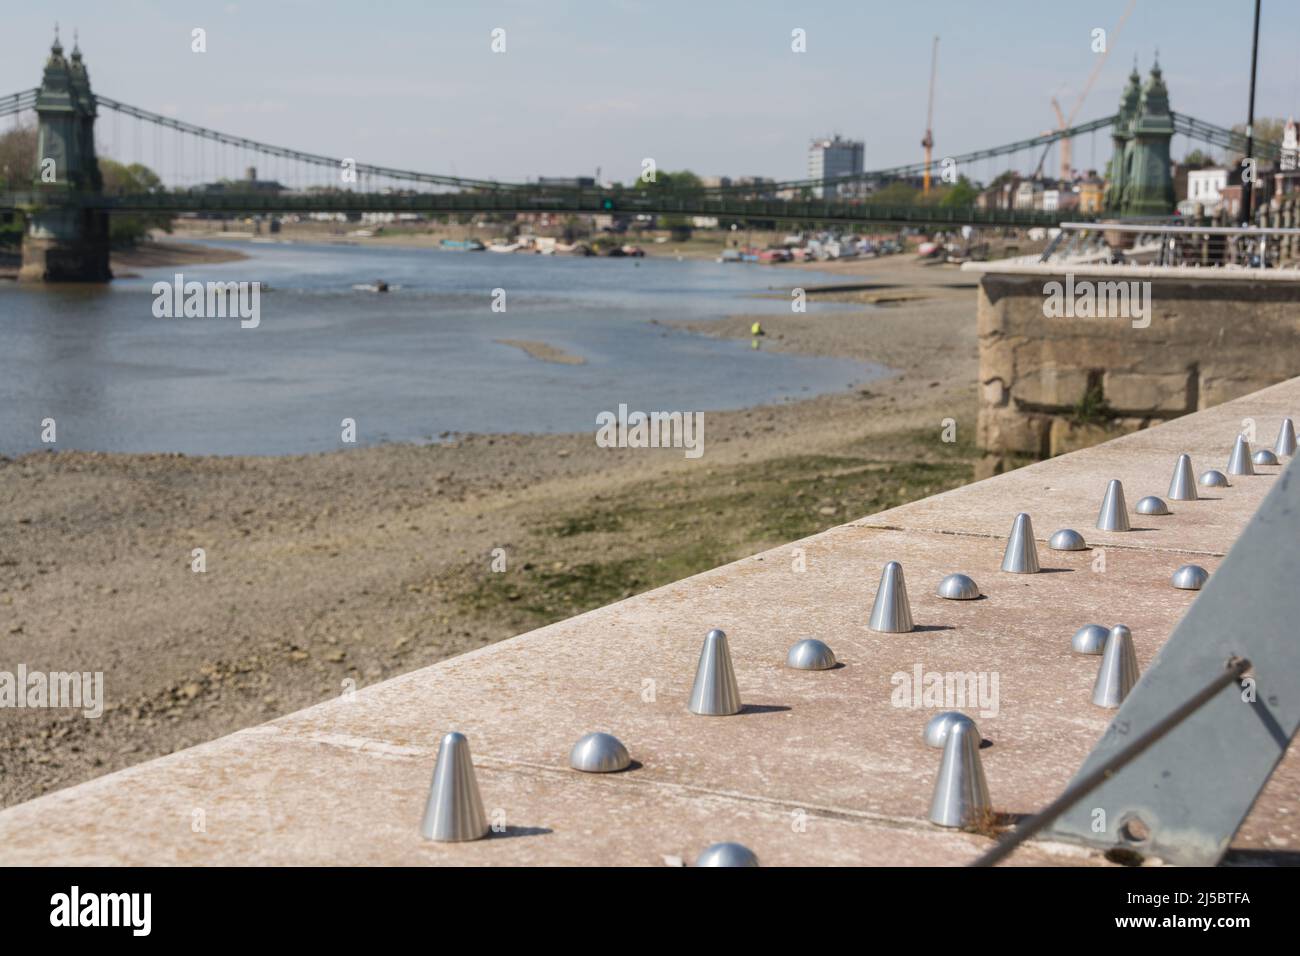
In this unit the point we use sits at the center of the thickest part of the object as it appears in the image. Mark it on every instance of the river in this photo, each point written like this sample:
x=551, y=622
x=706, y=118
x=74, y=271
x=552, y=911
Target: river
x=410, y=365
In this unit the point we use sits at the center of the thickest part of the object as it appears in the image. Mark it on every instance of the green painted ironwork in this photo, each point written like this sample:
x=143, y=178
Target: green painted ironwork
x=590, y=202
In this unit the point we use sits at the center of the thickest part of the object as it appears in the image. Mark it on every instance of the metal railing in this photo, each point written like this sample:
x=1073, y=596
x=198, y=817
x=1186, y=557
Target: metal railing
x=1173, y=245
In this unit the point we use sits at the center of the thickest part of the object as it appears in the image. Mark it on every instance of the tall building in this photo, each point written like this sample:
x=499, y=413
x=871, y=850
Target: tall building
x=829, y=159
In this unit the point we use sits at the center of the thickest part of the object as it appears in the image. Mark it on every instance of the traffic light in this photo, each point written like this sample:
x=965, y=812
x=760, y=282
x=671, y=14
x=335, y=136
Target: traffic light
x=607, y=203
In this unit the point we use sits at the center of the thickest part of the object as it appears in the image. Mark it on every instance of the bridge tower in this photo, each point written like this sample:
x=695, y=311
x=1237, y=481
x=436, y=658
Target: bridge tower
x=64, y=242
x=1148, y=184
x=1121, y=136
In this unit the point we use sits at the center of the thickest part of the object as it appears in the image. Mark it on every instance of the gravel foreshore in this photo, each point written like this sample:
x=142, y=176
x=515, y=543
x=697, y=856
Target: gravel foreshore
x=329, y=571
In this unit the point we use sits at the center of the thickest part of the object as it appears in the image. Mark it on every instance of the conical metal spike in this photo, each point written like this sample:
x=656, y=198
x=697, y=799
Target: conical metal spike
x=1021, y=556
x=892, y=612
x=727, y=854
x=1114, y=514
x=599, y=753
x=810, y=654
x=715, y=693
x=1067, y=539
x=1182, y=487
x=1263, y=457
x=961, y=794
x=938, y=727
x=1285, y=444
x=1119, y=669
x=1090, y=639
x=1239, y=463
x=454, y=812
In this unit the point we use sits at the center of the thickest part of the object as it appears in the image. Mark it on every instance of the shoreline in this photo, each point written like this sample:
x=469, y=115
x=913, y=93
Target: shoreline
x=148, y=255
x=360, y=564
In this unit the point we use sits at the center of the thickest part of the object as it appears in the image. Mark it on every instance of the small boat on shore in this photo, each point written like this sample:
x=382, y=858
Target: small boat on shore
x=462, y=245
x=504, y=247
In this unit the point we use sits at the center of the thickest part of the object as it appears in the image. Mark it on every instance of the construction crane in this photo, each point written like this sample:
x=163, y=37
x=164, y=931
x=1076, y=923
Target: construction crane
x=928, y=142
x=1066, y=166
x=1066, y=122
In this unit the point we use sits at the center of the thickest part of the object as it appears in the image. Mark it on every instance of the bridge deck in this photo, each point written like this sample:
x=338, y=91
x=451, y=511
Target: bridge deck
x=585, y=202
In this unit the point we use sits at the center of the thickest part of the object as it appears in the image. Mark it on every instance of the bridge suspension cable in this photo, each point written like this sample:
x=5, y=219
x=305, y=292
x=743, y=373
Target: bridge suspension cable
x=915, y=169
x=223, y=145
x=18, y=102
x=294, y=155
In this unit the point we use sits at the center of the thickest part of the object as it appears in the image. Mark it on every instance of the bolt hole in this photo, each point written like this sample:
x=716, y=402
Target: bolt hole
x=1135, y=830
x=1124, y=856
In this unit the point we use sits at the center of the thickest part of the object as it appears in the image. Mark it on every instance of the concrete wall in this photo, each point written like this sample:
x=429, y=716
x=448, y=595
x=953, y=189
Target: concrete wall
x=1210, y=339
x=344, y=783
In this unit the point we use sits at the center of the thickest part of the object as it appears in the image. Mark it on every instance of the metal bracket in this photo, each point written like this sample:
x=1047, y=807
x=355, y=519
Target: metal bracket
x=1184, y=797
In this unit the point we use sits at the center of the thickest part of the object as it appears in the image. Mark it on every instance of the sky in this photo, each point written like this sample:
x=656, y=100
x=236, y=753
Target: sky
x=711, y=85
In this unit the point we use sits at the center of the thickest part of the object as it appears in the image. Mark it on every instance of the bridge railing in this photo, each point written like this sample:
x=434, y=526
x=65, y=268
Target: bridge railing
x=575, y=202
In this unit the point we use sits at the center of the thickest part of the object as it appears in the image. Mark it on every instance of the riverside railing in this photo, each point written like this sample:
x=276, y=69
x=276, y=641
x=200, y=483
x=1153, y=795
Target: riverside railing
x=1165, y=244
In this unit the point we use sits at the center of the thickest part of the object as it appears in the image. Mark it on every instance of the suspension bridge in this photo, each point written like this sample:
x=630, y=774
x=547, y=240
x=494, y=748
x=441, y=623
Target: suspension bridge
x=193, y=169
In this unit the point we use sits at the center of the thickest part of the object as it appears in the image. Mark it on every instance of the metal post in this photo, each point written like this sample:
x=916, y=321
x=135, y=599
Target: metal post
x=1235, y=668
x=1248, y=186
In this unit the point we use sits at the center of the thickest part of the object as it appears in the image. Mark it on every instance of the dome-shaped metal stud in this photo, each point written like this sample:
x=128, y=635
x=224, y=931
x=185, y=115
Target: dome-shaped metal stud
x=1021, y=555
x=810, y=654
x=715, y=693
x=958, y=587
x=961, y=794
x=892, y=612
x=1239, y=463
x=1119, y=669
x=454, y=811
x=727, y=854
x=599, y=753
x=936, y=730
x=1151, y=505
x=1285, y=444
x=1214, y=479
x=1113, y=515
x=1263, y=457
x=1182, y=486
x=1067, y=539
x=1190, y=577
x=1090, y=639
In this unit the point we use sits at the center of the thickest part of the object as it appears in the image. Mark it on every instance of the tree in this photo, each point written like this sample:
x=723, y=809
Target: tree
x=18, y=157
x=962, y=193
x=897, y=193
x=1266, y=130
x=681, y=182
x=128, y=229
x=1199, y=159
